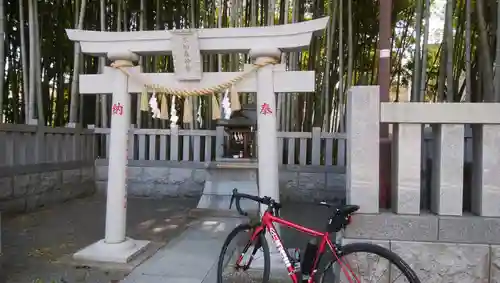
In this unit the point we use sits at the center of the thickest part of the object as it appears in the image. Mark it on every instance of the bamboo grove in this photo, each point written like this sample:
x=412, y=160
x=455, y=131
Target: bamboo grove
x=41, y=65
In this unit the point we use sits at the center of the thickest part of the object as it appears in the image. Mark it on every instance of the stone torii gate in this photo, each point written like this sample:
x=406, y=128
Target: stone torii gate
x=123, y=48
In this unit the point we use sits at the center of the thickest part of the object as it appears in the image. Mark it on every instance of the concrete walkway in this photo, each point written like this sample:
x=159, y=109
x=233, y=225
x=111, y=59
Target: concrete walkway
x=191, y=258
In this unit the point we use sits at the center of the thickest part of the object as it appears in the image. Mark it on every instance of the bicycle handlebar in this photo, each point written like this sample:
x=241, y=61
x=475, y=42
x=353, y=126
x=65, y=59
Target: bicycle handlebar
x=263, y=200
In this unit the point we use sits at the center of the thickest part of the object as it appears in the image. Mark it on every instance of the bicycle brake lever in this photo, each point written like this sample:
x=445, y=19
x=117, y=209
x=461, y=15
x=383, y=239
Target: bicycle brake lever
x=231, y=203
x=277, y=210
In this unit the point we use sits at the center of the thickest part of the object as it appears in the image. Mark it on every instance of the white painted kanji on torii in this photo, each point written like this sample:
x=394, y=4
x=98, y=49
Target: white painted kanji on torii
x=123, y=48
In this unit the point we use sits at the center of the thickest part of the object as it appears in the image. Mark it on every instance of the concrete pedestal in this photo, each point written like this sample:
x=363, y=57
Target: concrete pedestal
x=223, y=177
x=101, y=251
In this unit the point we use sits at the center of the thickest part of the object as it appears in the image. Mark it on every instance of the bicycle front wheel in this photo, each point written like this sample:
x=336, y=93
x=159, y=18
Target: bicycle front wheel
x=242, y=260
x=367, y=263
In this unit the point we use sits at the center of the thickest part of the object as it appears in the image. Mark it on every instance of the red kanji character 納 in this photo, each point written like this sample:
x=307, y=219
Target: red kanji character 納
x=117, y=109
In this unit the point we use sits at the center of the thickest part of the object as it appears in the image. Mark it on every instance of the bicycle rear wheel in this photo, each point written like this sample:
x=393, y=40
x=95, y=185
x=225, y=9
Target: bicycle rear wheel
x=237, y=255
x=375, y=264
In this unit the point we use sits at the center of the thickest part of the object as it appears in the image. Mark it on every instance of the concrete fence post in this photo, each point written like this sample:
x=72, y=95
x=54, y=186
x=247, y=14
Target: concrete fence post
x=363, y=123
x=406, y=160
x=486, y=180
x=219, y=142
x=447, y=169
x=40, y=149
x=316, y=146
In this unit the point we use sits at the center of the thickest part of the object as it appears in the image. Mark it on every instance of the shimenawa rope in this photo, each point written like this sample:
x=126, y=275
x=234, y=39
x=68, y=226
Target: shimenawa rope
x=122, y=64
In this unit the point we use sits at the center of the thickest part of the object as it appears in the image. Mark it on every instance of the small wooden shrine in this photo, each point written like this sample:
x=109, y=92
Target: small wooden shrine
x=240, y=139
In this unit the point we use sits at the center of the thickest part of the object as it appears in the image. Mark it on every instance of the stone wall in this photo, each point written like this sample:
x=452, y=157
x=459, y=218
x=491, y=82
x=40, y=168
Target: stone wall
x=27, y=187
x=444, y=262
x=167, y=178
x=458, y=249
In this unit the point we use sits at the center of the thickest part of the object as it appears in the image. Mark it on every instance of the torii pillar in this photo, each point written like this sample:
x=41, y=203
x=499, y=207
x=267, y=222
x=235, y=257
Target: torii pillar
x=266, y=124
x=116, y=247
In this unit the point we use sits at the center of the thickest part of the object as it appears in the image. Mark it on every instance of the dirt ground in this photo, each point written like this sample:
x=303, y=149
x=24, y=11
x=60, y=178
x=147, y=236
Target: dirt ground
x=35, y=244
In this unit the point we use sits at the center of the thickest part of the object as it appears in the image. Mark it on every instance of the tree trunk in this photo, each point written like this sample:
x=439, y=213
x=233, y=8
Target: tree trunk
x=497, y=57
x=485, y=53
x=28, y=111
x=102, y=63
x=339, y=120
x=75, y=97
x=468, y=52
x=329, y=53
x=2, y=57
x=142, y=22
x=423, y=76
x=442, y=62
x=350, y=46
x=32, y=86
x=450, y=92
x=38, y=71
x=416, y=68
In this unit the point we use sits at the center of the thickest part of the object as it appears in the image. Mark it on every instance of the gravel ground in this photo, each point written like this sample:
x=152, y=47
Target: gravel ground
x=35, y=244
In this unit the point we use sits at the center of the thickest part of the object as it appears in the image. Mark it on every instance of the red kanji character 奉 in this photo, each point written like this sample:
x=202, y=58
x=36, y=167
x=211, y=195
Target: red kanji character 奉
x=117, y=109
x=265, y=109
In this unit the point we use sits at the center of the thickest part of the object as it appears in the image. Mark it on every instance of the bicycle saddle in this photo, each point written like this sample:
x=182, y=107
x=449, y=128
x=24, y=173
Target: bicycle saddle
x=347, y=209
x=341, y=209
x=341, y=217
x=340, y=205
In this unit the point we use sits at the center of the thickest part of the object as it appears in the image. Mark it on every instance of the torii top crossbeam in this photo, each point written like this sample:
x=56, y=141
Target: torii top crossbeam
x=292, y=37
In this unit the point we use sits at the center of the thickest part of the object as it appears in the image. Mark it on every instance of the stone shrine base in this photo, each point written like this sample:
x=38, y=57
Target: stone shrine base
x=222, y=177
x=158, y=179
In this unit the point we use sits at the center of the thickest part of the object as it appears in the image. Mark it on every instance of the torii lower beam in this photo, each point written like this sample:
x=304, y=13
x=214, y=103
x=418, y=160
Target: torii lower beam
x=284, y=81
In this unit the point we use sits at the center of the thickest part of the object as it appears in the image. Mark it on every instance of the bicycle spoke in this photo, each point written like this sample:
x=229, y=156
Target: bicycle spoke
x=367, y=268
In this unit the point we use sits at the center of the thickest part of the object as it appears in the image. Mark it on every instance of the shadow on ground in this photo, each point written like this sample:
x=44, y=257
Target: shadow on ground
x=35, y=243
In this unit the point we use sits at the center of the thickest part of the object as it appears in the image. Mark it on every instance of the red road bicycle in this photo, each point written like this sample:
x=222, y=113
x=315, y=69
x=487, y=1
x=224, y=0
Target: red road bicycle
x=251, y=242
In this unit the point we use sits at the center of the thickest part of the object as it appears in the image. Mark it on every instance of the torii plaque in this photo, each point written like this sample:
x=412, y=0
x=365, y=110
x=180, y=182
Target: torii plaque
x=123, y=48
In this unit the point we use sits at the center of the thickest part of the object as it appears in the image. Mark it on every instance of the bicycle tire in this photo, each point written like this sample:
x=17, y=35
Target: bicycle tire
x=263, y=242
x=382, y=252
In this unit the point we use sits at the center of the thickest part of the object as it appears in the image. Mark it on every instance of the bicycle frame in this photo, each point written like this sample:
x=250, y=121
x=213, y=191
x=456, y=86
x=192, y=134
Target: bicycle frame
x=267, y=222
